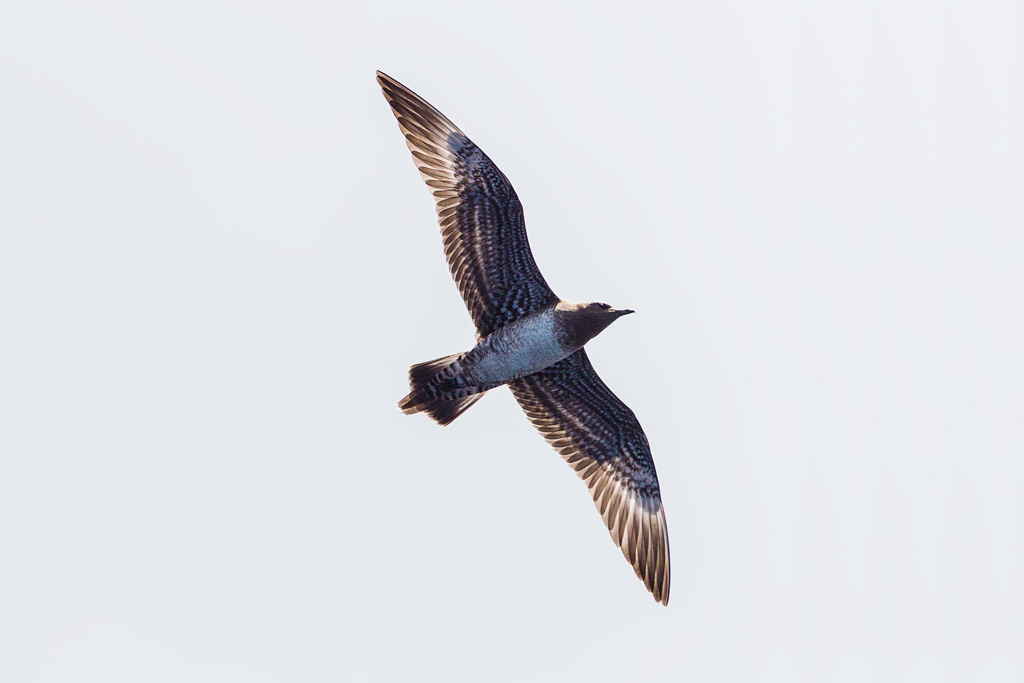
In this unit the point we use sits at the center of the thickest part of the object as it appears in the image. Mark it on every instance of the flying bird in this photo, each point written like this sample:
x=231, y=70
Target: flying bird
x=528, y=338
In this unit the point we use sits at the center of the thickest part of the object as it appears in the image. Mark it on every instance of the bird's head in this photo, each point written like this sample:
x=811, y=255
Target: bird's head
x=582, y=322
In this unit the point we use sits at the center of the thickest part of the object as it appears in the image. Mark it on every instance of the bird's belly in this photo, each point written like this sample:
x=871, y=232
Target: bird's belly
x=503, y=367
x=513, y=353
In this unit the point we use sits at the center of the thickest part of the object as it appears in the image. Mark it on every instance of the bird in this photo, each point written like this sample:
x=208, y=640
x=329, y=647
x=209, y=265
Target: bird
x=528, y=339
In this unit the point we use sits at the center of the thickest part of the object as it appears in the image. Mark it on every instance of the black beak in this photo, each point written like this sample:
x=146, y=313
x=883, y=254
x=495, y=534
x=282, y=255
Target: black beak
x=625, y=311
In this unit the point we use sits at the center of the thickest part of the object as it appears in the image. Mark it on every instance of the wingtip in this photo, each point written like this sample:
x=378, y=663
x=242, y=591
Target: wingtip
x=388, y=83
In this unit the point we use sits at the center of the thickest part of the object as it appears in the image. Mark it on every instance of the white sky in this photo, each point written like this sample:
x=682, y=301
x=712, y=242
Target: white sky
x=217, y=261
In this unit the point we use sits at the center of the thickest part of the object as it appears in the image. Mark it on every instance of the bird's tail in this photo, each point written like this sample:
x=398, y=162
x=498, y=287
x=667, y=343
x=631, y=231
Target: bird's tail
x=433, y=393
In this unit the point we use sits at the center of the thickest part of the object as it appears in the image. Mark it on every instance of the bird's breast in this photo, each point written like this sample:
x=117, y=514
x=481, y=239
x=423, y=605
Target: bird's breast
x=520, y=348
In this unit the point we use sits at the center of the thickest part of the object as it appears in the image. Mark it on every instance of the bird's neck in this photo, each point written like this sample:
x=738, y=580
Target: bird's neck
x=575, y=326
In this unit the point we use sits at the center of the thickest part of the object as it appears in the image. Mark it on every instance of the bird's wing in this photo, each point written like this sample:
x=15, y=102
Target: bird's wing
x=601, y=439
x=481, y=216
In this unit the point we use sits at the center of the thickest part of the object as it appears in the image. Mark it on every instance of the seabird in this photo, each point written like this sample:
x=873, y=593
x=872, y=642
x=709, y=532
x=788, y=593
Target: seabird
x=528, y=338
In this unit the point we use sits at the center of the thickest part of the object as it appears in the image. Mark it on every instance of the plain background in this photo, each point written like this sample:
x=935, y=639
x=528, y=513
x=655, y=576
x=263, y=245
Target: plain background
x=217, y=261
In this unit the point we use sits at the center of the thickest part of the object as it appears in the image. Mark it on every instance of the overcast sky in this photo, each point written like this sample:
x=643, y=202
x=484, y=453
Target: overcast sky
x=217, y=262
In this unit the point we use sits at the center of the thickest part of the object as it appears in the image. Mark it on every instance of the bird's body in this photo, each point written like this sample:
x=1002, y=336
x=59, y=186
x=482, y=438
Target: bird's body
x=522, y=347
x=528, y=339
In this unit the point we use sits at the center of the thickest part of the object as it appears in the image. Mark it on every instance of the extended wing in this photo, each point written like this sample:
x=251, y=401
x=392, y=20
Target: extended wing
x=601, y=439
x=481, y=216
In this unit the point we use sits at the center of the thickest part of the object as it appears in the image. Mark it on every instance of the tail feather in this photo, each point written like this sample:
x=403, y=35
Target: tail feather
x=421, y=373
x=424, y=398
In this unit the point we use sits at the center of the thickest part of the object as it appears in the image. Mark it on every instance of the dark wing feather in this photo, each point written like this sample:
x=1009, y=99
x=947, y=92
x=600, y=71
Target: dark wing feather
x=481, y=217
x=601, y=439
